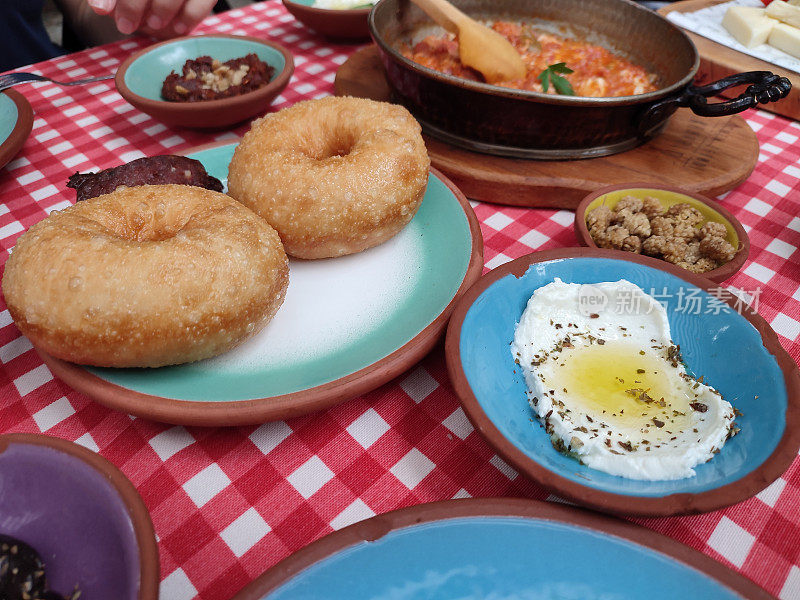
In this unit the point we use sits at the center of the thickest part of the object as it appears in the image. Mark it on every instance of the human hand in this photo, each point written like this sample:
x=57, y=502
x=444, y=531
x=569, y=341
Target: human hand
x=162, y=18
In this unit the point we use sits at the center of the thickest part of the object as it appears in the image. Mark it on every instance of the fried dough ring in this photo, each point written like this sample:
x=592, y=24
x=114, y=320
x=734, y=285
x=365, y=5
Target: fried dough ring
x=146, y=276
x=333, y=176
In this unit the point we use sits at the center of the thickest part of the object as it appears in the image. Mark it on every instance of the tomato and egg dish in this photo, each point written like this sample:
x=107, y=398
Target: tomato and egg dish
x=591, y=69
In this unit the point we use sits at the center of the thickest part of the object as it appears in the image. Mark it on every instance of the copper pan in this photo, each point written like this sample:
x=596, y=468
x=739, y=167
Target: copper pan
x=525, y=124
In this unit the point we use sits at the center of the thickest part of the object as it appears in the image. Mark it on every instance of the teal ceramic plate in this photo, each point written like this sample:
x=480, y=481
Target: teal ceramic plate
x=715, y=339
x=500, y=549
x=16, y=121
x=347, y=325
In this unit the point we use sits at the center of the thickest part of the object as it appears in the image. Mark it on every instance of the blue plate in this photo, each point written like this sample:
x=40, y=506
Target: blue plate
x=16, y=121
x=715, y=340
x=497, y=549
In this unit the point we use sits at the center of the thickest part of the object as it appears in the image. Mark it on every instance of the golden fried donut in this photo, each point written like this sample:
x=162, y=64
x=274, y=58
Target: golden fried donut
x=333, y=176
x=146, y=276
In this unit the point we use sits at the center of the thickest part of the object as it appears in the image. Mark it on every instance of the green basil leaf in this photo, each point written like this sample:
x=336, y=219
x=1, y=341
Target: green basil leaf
x=562, y=86
x=544, y=77
x=560, y=68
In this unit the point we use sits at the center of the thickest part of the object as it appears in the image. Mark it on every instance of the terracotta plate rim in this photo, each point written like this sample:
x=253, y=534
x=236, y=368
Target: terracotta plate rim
x=643, y=506
x=149, y=568
x=345, y=25
x=718, y=275
x=22, y=128
x=284, y=406
x=327, y=12
x=376, y=527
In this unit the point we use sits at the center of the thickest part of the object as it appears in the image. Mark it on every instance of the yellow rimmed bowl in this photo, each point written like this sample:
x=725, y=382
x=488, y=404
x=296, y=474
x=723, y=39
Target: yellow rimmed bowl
x=669, y=196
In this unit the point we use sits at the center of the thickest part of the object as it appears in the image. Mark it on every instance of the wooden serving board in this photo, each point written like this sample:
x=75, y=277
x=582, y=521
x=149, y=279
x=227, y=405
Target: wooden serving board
x=703, y=155
x=718, y=61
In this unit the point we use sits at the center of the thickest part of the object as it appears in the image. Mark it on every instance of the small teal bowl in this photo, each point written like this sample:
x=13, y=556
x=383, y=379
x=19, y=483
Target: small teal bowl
x=738, y=354
x=140, y=77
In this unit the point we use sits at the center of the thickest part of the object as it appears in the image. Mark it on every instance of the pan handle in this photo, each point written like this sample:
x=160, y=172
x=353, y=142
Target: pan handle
x=764, y=87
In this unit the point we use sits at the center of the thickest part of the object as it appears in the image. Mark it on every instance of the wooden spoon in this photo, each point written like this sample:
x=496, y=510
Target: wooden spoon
x=479, y=47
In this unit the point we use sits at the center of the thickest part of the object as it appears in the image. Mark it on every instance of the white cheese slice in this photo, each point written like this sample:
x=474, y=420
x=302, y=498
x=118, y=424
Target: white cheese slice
x=787, y=38
x=784, y=12
x=748, y=25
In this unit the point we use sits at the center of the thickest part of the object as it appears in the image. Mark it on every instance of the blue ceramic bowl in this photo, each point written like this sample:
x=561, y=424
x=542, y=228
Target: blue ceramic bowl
x=497, y=548
x=140, y=77
x=82, y=516
x=738, y=354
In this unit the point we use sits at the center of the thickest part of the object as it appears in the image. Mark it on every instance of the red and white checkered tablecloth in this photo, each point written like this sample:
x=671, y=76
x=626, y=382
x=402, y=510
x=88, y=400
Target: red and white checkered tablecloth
x=229, y=503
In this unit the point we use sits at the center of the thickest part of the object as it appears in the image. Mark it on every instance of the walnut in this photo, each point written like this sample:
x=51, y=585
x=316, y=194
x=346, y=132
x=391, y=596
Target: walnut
x=692, y=252
x=712, y=229
x=600, y=237
x=599, y=218
x=632, y=243
x=610, y=237
x=209, y=78
x=705, y=264
x=222, y=77
x=717, y=249
x=689, y=266
x=637, y=224
x=631, y=203
x=652, y=207
x=619, y=216
x=663, y=226
x=654, y=245
x=674, y=250
x=685, y=212
x=239, y=75
x=686, y=231
x=615, y=236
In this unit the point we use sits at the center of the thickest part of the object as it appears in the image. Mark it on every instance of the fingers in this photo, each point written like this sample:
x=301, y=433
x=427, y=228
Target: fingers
x=161, y=13
x=101, y=7
x=193, y=12
x=129, y=14
x=164, y=33
x=161, y=17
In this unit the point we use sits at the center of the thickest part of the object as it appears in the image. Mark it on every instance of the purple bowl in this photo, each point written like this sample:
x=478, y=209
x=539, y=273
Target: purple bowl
x=81, y=514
